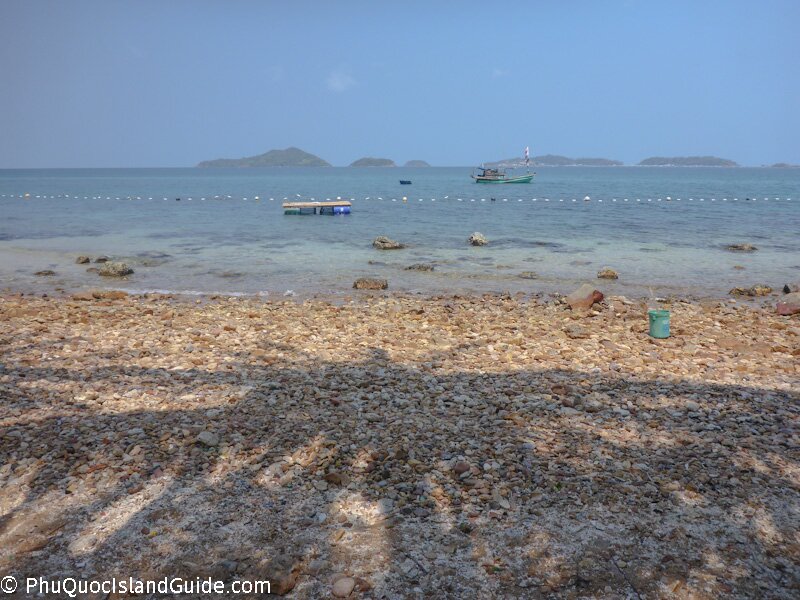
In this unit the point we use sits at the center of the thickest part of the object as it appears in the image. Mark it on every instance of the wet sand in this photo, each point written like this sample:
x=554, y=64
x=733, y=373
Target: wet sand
x=454, y=447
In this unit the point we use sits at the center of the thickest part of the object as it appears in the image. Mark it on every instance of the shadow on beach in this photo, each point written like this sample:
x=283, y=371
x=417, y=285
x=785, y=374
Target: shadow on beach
x=410, y=477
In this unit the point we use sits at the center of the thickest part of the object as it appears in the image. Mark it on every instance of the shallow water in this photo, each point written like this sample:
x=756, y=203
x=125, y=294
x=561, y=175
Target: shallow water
x=220, y=239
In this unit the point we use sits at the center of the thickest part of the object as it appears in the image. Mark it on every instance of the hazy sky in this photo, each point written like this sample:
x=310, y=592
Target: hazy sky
x=169, y=83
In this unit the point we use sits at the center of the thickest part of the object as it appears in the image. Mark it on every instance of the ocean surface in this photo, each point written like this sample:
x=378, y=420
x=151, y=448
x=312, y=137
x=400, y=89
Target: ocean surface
x=663, y=229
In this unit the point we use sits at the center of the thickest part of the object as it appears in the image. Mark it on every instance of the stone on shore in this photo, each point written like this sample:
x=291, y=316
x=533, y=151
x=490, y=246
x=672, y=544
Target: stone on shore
x=584, y=297
x=741, y=248
x=478, y=239
x=789, y=304
x=607, y=273
x=343, y=587
x=756, y=290
x=208, y=439
x=82, y=260
x=384, y=243
x=102, y=259
x=115, y=269
x=368, y=283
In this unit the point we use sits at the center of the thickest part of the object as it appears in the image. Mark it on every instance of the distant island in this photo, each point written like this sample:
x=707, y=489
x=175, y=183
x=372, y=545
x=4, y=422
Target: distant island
x=687, y=161
x=784, y=166
x=291, y=157
x=416, y=163
x=373, y=162
x=554, y=160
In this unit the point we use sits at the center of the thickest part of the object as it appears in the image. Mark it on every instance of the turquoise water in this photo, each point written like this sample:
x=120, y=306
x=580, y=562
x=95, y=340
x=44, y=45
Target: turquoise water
x=228, y=234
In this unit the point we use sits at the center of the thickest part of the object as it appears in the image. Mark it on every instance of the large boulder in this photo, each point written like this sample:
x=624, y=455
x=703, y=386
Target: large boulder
x=114, y=269
x=384, y=243
x=789, y=304
x=478, y=239
x=367, y=283
x=584, y=297
x=756, y=290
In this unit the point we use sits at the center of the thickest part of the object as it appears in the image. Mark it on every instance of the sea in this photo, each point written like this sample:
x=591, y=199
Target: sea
x=223, y=232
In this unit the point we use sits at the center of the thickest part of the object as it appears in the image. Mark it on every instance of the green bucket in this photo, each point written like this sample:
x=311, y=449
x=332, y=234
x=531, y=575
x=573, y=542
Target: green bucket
x=659, y=323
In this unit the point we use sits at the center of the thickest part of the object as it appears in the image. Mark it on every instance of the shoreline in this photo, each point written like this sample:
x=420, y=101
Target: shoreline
x=485, y=445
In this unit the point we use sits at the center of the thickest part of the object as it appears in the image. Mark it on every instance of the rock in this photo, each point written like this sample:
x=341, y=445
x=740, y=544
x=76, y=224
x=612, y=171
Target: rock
x=478, y=239
x=576, y=332
x=101, y=259
x=786, y=289
x=282, y=573
x=109, y=294
x=367, y=283
x=334, y=478
x=738, y=267
x=384, y=243
x=789, y=304
x=584, y=297
x=83, y=296
x=419, y=267
x=115, y=269
x=343, y=587
x=82, y=260
x=461, y=467
x=607, y=273
x=741, y=248
x=528, y=275
x=207, y=438
x=756, y=290
x=45, y=273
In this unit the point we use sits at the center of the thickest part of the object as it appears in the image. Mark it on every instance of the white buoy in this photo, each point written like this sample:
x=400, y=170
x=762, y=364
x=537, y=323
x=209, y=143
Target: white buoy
x=586, y=199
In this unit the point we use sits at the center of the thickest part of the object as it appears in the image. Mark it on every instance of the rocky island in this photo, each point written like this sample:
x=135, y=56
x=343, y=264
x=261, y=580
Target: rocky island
x=416, y=163
x=555, y=160
x=687, y=161
x=373, y=162
x=290, y=157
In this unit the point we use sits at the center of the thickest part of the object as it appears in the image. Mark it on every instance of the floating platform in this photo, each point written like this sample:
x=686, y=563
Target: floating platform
x=335, y=207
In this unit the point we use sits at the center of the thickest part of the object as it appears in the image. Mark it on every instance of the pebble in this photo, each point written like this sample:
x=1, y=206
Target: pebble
x=343, y=587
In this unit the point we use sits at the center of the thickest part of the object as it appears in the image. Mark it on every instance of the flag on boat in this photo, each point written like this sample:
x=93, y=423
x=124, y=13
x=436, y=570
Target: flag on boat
x=527, y=155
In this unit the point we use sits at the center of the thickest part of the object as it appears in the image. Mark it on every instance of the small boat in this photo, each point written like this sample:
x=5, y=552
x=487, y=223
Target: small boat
x=405, y=182
x=499, y=176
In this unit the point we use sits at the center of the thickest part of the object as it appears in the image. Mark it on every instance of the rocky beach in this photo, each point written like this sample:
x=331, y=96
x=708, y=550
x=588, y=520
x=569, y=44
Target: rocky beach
x=396, y=446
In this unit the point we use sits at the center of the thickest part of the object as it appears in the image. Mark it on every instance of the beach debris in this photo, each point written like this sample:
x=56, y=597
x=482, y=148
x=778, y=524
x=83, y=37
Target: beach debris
x=584, y=297
x=528, y=275
x=368, y=283
x=82, y=260
x=789, y=304
x=607, y=273
x=478, y=239
x=115, y=269
x=755, y=290
x=45, y=273
x=384, y=243
x=419, y=267
x=741, y=247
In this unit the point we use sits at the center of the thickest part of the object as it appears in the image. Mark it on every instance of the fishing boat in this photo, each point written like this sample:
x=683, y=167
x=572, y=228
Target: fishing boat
x=485, y=175
x=489, y=175
x=405, y=182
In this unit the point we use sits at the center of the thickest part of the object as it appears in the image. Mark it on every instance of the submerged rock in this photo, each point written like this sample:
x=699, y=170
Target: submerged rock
x=584, y=297
x=607, y=273
x=528, y=275
x=102, y=259
x=756, y=290
x=478, y=239
x=82, y=260
x=419, y=267
x=368, y=283
x=115, y=269
x=45, y=273
x=741, y=248
x=384, y=243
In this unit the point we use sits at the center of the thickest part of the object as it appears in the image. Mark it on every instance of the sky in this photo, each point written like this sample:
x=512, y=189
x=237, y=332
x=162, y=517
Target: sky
x=167, y=84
